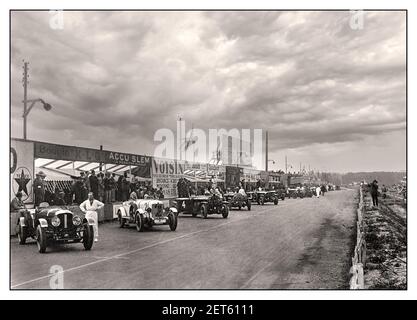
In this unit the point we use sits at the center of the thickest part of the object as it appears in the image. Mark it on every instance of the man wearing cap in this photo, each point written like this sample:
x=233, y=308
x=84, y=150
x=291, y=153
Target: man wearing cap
x=39, y=187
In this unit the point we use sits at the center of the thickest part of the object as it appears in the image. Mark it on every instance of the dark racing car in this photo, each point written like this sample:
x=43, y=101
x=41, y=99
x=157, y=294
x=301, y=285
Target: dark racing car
x=203, y=205
x=262, y=197
x=237, y=200
x=55, y=224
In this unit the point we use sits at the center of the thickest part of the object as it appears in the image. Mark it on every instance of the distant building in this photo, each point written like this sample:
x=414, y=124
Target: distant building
x=233, y=151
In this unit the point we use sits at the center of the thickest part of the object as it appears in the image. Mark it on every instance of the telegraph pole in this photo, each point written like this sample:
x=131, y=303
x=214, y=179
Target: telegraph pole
x=25, y=93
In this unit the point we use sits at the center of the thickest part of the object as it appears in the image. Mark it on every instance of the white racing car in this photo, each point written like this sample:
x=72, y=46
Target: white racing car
x=145, y=213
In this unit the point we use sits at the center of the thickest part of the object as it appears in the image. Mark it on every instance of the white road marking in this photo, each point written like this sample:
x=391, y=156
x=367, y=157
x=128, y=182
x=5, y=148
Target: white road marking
x=146, y=247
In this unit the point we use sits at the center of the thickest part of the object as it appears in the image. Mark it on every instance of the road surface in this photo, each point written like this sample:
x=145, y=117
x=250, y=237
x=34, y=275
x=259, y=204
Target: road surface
x=298, y=244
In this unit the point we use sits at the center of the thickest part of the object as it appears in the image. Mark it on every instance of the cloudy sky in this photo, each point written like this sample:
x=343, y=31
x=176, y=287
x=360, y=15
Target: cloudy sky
x=331, y=96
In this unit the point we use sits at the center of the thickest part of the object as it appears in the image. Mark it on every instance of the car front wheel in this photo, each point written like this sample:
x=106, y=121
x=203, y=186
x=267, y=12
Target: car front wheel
x=249, y=205
x=225, y=212
x=22, y=234
x=173, y=221
x=88, y=237
x=41, y=239
x=203, y=211
x=139, y=222
x=121, y=220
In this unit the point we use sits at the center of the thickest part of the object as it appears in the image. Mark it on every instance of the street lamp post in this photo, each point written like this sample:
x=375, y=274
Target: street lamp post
x=32, y=102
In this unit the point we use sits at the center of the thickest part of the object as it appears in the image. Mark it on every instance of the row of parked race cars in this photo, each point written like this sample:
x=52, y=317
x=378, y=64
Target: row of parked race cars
x=51, y=224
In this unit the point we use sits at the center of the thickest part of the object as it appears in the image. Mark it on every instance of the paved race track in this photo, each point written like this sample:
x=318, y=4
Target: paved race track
x=298, y=244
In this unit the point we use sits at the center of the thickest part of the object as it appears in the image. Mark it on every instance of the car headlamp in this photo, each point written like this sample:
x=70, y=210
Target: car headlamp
x=55, y=221
x=76, y=220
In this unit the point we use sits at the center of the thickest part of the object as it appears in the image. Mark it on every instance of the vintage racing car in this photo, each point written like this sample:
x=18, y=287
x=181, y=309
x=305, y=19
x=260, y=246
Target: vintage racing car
x=281, y=193
x=293, y=192
x=146, y=213
x=262, y=197
x=52, y=224
x=237, y=200
x=203, y=205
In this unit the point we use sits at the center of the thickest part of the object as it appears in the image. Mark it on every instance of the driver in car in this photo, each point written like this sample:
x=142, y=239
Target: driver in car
x=17, y=203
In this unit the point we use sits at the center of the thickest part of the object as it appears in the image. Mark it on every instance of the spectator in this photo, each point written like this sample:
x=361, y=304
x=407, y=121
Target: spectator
x=107, y=188
x=318, y=189
x=125, y=187
x=77, y=190
x=119, y=192
x=160, y=193
x=374, y=193
x=323, y=190
x=85, y=185
x=39, y=187
x=113, y=186
x=93, y=183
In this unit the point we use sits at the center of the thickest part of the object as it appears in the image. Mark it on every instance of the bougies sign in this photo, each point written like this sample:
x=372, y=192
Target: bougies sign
x=21, y=169
x=72, y=153
x=166, y=174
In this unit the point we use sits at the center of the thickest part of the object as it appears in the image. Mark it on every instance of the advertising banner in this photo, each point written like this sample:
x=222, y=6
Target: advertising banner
x=216, y=171
x=233, y=176
x=251, y=175
x=72, y=153
x=196, y=166
x=166, y=174
x=22, y=165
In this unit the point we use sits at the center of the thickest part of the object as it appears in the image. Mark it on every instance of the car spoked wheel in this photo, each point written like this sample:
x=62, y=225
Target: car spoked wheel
x=173, y=221
x=203, y=211
x=41, y=239
x=275, y=201
x=88, y=237
x=22, y=234
x=262, y=201
x=139, y=222
x=225, y=211
x=121, y=220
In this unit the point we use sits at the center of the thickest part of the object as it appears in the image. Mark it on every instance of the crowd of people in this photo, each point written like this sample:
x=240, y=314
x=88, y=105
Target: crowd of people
x=107, y=187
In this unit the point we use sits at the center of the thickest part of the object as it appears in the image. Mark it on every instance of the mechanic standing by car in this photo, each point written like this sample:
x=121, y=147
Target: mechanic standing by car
x=90, y=208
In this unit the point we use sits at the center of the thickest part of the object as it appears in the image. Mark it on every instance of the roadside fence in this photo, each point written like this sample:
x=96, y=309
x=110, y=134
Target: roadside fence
x=359, y=256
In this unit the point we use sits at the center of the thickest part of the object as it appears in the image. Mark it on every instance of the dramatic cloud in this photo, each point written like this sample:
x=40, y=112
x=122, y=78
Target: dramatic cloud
x=329, y=95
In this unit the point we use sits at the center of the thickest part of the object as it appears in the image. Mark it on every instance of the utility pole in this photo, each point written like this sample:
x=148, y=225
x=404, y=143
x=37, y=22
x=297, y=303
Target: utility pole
x=25, y=93
x=101, y=164
x=266, y=150
x=286, y=165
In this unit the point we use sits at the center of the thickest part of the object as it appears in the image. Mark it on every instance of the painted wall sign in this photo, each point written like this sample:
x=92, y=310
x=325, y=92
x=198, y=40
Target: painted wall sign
x=21, y=169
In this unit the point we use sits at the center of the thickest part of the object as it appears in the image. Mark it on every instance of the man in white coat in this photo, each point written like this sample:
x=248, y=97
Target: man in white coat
x=90, y=208
x=318, y=190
